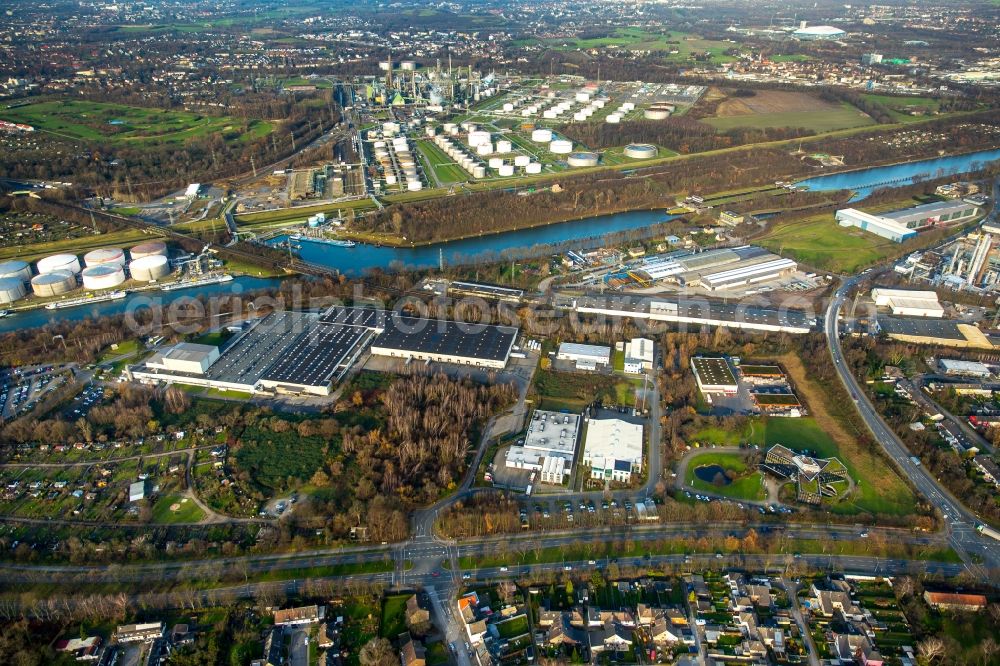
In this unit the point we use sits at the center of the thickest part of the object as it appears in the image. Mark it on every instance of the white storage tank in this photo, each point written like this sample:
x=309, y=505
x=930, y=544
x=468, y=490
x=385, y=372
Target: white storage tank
x=453, y=131
x=479, y=172
x=583, y=159
x=103, y=276
x=521, y=160
x=583, y=97
x=527, y=113
x=390, y=179
x=105, y=255
x=59, y=262
x=579, y=115
x=448, y=127
x=414, y=185
x=550, y=114
x=506, y=170
x=541, y=135
x=496, y=162
x=150, y=249
x=408, y=65
x=53, y=283
x=613, y=118
x=504, y=146
x=640, y=151
x=149, y=268
x=628, y=106
x=11, y=289
x=534, y=167
x=478, y=138
x=15, y=268
x=656, y=114
x=484, y=149
x=561, y=147
x=508, y=107
x=598, y=103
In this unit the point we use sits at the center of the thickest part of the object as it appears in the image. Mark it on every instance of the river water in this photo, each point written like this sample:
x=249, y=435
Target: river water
x=361, y=258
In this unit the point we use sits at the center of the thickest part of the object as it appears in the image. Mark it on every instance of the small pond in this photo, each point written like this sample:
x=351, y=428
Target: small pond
x=710, y=473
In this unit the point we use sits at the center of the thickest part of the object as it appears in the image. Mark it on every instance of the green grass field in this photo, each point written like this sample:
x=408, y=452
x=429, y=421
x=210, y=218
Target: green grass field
x=443, y=166
x=637, y=39
x=117, y=124
x=821, y=243
x=744, y=486
x=77, y=246
x=187, y=511
x=846, y=117
x=900, y=107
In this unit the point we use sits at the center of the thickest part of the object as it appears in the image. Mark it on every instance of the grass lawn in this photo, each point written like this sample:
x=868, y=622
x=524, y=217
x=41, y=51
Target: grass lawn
x=443, y=166
x=717, y=436
x=900, y=107
x=513, y=627
x=186, y=510
x=393, y=616
x=844, y=117
x=823, y=244
x=744, y=486
x=77, y=246
x=118, y=124
x=124, y=348
x=573, y=391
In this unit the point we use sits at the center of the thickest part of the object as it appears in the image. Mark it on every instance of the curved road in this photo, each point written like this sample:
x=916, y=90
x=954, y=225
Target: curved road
x=981, y=553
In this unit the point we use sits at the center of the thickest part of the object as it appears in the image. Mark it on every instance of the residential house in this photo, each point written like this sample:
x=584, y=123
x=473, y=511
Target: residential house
x=139, y=633
x=663, y=633
x=298, y=616
x=411, y=651
x=612, y=637
x=273, y=646
x=82, y=649
x=955, y=602
x=857, y=648
x=415, y=613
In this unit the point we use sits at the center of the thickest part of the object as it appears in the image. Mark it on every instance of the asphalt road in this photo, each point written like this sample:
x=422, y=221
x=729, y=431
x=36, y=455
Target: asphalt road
x=981, y=553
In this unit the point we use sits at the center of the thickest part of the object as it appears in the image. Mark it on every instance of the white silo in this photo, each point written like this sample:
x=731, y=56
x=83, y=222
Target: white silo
x=11, y=289
x=105, y=255
x=103, y=276
x=59, y=262
x=506, y=170
x=15, y=268
x=534, y=167
x=504, y=146
x=561, y=147
x=149, y=268
x=484, y=149
x=521, y=160
x=53, y=283
x=479, y=172
x=496, y=162
x=478, y=138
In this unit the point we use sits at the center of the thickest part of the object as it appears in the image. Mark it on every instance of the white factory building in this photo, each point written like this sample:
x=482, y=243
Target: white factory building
x=901, y=225
x=638, y=356
x=965, y=368
x=875, y=224
x=613, y=449
x=908, y=302
x=726, y=268
x=548, y=447
x=586, y=357
x=185, y=357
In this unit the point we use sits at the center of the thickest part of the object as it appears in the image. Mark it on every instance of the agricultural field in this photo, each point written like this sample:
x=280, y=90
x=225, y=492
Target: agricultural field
x=117, y=124
x=776, y=108
x=819, y=242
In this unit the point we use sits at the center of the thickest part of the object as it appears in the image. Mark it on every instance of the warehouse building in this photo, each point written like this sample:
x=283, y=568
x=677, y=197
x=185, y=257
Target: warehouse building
x=586, y=357
x=613, y=450
x=904, y=224
x=698, y=312
x=549, y=446
x=714, y=375
x=745, y=275
x=185, y=357
x=923, y=331
x=874, y=224
x=908, y=302
x=965, y=368
x=638, y=356
x=443, y=341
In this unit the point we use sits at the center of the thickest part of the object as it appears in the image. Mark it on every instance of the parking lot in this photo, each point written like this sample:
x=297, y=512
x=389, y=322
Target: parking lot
x=539, y=512
x=22, y=388
x=84, y=402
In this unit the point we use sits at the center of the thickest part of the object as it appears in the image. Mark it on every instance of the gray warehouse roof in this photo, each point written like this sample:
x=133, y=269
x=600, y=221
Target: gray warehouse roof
x=446, y=338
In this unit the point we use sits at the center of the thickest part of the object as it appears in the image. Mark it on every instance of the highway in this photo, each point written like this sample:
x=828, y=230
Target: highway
x=981, y=554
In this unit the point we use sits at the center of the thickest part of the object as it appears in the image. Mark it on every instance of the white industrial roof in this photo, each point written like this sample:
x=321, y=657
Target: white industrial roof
x=615, y=439
x=640, y=349
x=576, y=349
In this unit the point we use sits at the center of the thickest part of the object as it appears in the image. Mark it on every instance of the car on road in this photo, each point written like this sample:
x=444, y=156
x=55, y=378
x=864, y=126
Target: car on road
x=504, y=569
x=466, y=576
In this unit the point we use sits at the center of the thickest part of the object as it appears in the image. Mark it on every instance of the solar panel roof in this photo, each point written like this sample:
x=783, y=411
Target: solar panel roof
x=313, y=359
x=446, y=338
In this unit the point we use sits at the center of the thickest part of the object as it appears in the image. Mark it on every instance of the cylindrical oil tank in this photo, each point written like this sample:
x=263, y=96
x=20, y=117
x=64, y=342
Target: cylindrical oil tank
x=534, y=167
x=496, y=162
x=59, y=262
x=551, y=114
x=468, y=126
x=640, y=151
x=478, y=138
x=628, y=106
x=583, y=97
x=378, y=144
x=15, y=268
x=408, y=65
x=598, y=103
x=613, y=118
x=504, y=146
x=541, y=135
x=105, y=255
x=506, y=170
x=11, y=289
x=390, y=179
x=150, y=267
x=579, y=115
x=150, y=249
x=656, y=114
x=414, y=185
x=453, y=131
x=582, y=159
x=521, y=160
x=479, y=172
x=53, y=283
x=484, y=149
x=508, y=107
x=430, y=130
x=561, y=147
x=448, y=127
x=103, y=276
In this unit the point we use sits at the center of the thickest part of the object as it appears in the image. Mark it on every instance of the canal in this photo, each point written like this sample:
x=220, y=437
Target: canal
x=535, y=241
